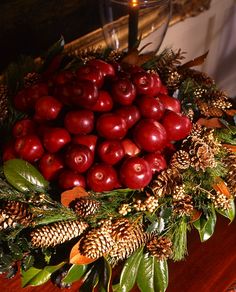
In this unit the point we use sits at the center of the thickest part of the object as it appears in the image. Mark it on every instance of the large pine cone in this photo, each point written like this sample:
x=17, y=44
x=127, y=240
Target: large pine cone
x=57, y=233
x=160, y=247
x=230, y=163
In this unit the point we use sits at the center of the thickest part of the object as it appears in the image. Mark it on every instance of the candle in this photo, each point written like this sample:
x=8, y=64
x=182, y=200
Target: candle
x=133, y=23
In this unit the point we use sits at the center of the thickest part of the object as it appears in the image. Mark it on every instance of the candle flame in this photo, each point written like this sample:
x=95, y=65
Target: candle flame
x=134, y=3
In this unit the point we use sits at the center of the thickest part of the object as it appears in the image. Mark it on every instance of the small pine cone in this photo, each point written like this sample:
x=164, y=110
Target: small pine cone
x=184, y=206
x=164, y=183
x=57, y=233
x=31, y=79
x=85, y=206
x=230, y=163
x=120, y=229
x=207, y=109
x=124, y=248
x=97, y=242
x=160, y=247
x=180, y=160
x=189, y=113
x=198, y=76
x=201, y=155
x=3, y=103
x=197, y=130
x=209, y=138
x=14, y=213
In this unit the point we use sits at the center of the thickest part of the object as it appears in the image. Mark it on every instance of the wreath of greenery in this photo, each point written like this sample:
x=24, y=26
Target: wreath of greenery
x=137, y=229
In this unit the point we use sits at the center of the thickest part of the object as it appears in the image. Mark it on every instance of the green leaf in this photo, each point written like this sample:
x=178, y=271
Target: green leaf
x=36, y=277
x=105, y=271
x=90, y=280
x=206, y=226
x=129, y=273
x=229, y=213
x=152, y=274
x=24, y=176
x=74, y=274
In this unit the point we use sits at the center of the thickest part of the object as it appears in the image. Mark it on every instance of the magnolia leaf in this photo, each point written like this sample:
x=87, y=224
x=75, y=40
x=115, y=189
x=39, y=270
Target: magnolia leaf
x=24, y=176
x=105, y=272
x=129, y=272
x=90, y=280
x=70, y=195
x=229, y=213
x=221, y=187
x=74, y=274
x=77, y=258
x=210, y=123
x=152, y=274
x=195, y=215
x=36, y=277
x=206, y=226
x=196, y=61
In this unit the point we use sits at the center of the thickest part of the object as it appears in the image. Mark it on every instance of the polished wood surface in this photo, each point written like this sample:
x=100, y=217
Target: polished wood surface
x=209, y=266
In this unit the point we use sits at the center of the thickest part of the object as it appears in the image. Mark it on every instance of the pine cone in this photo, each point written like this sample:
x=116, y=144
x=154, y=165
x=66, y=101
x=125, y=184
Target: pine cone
x=179, y=192
x=197, y=130
x=125, y=247
x=180, y=160
x=31, y=79
x=207, y=109
x=197, y=76
x=184, y=206
x=165, y=182
x=201, y=154
x=160, y=247
x=3, y=103
x=57, y=233
x=85, y=206
x=13, y=213
x=97, y=242
x=171, y=78
x=120, y=229
x=230, y=163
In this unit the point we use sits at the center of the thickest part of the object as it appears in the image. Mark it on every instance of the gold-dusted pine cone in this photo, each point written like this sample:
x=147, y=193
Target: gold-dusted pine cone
x=207, y=109
x=197, y=130
x=165, y=182
x=230, y=163
x=180, y=160
x=85, y=206
x=97, y=242
x=201, y=154
x=184, y=206
x=31, y=79
x=3, y=103
x=13, y=213
x=197, y=76
x=160, y=247
x=57, y=233
x=122, y=249
x=209, y=138
x=120, y=229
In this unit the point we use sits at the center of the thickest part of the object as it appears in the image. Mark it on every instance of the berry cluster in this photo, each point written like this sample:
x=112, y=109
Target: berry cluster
x=101, y=126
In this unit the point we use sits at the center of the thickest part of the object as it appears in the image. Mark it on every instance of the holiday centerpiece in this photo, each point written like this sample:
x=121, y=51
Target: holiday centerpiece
x=108, y=159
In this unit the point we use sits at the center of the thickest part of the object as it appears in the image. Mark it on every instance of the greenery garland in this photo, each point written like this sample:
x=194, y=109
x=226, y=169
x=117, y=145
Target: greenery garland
x=136, y=229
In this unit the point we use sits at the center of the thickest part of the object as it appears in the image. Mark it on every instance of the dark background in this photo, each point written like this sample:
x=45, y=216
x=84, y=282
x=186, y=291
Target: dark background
x=31, y=26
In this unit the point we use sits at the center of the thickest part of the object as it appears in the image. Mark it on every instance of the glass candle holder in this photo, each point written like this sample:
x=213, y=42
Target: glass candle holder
x=135, y=23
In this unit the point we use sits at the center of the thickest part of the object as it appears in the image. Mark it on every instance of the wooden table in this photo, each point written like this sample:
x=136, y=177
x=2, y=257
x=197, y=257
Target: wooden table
x=209, y=267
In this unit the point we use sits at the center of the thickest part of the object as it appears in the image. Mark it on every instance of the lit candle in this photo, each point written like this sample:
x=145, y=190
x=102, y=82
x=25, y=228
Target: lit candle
x=133, y=23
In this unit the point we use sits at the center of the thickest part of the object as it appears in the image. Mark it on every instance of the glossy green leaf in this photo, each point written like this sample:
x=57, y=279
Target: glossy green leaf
x=74, y=274
x=152, y=274
x=36, y=277
x=105, y=271
x=129, y=273
x=90, y=280
x=206, y=226
x=229, y=213
x=24, y=176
